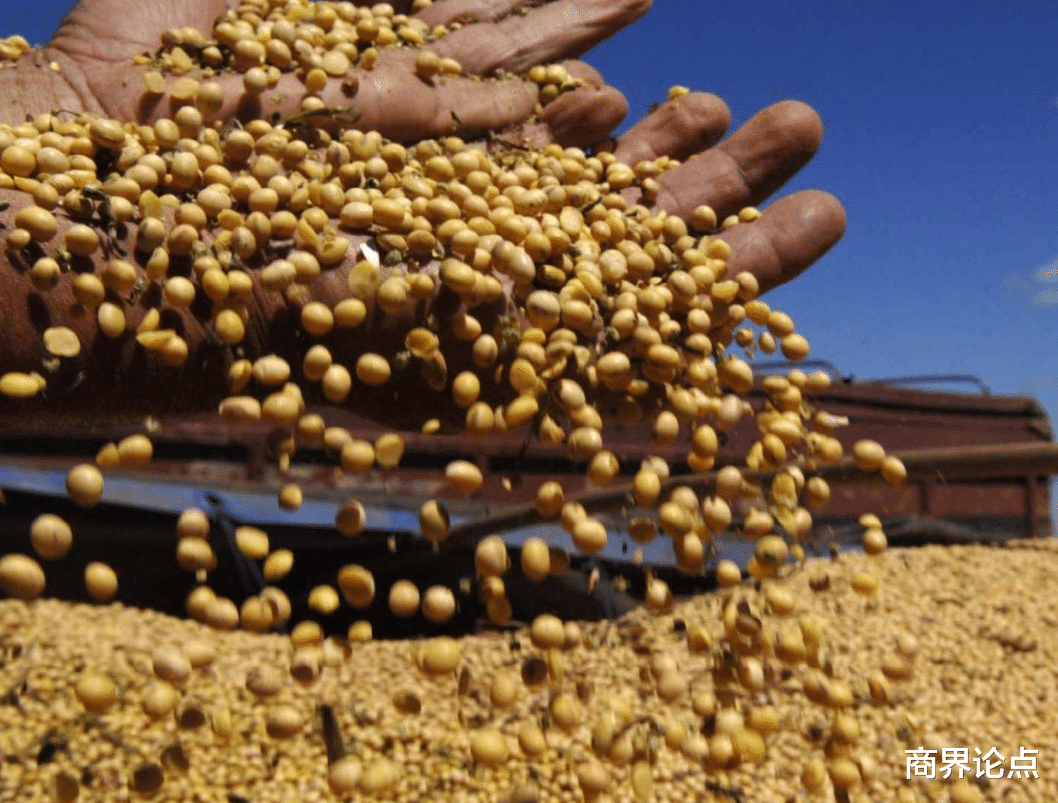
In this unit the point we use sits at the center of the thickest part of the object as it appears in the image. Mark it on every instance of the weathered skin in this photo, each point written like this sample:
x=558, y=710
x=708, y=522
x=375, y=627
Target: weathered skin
x=97, y=76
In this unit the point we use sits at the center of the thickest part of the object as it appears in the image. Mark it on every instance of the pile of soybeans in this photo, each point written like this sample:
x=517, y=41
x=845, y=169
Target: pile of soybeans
x=131, y=704
x=503, y=288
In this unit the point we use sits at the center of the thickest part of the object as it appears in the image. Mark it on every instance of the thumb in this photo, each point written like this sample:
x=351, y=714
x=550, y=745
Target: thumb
x=110, y=31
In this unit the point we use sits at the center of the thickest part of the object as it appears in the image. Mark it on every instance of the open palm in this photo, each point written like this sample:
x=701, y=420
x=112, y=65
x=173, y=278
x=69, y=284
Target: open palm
x=100, y=37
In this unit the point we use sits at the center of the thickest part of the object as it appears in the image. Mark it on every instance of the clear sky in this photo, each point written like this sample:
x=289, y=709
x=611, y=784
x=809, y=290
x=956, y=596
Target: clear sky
x=941, y=140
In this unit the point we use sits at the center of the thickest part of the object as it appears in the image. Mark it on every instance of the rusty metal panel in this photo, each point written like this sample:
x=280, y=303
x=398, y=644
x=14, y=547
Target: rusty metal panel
x=196, y=448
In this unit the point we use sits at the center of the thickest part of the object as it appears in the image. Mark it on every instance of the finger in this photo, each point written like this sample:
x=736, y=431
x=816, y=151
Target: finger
x=88, y=31
x=584, y=72
x=579, y=117
x=678, y=128
x=584, y=116
x=394, y=101
x=389, y=98
x=467, y=10
x=547, y=33
x=787, y=238
x=747, y=168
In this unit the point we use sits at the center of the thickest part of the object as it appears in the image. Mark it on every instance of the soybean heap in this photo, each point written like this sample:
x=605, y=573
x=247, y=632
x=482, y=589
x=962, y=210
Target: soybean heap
x=514, y=288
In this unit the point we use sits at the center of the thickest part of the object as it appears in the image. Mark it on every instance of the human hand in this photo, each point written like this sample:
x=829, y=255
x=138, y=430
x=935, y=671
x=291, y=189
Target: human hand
x=745, y=170
x=765, y=153
x=96, y=58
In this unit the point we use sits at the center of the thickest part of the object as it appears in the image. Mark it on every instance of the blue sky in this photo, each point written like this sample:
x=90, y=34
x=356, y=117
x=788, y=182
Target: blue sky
x=941, y=140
